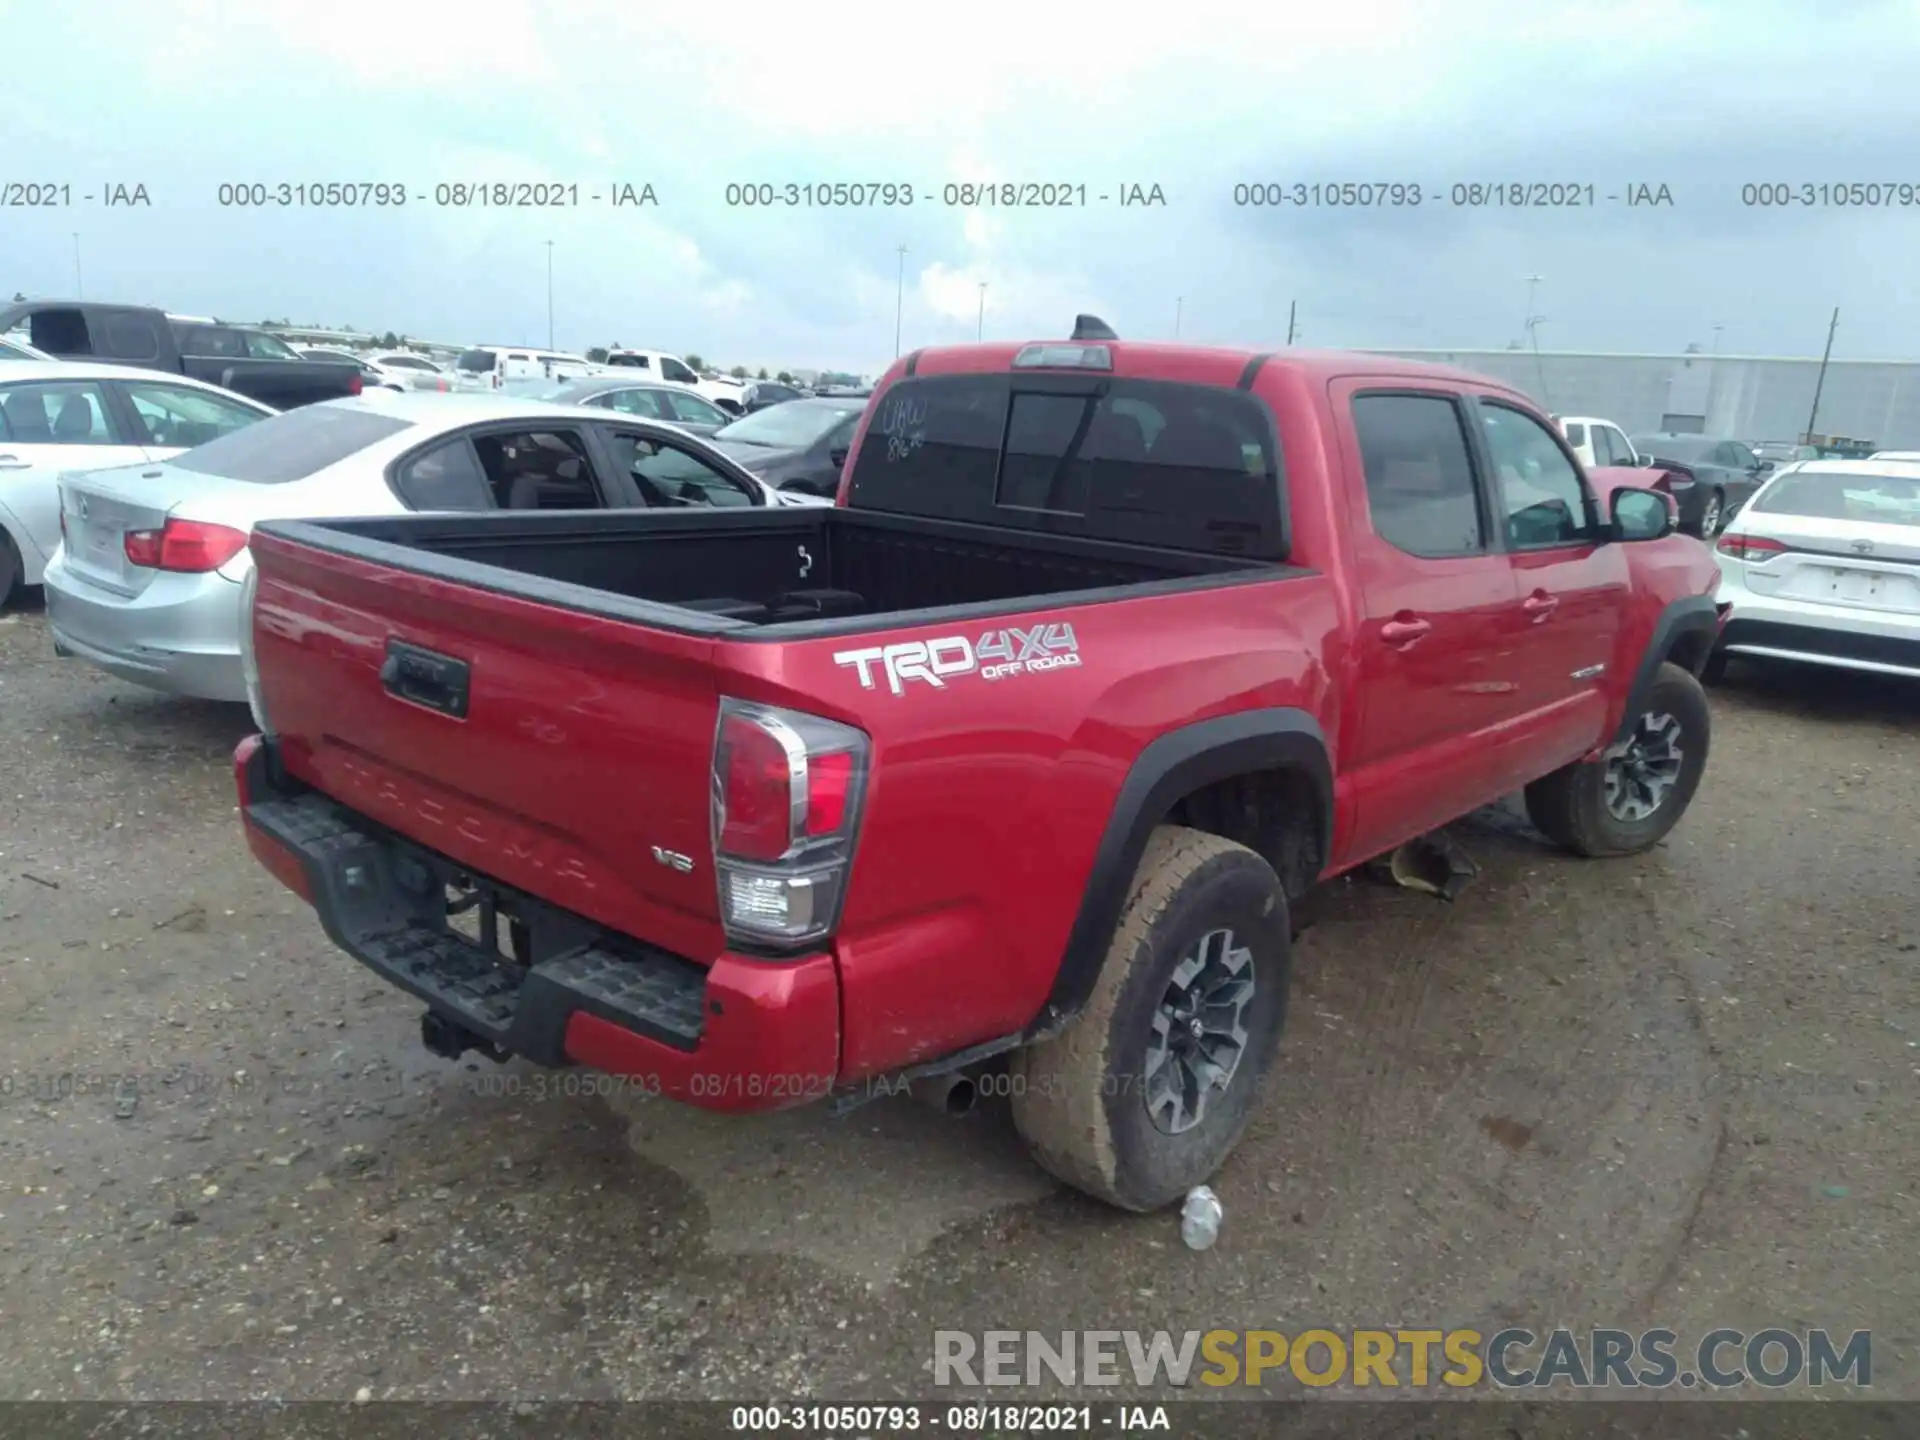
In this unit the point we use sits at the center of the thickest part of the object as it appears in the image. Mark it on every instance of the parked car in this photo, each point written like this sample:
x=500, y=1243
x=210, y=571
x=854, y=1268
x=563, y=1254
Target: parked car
x=240, y=358
x=759, y=394
x=1783, y=452
x=517, y=367
x=729, y=394
x=1028, y=748
x=800, y=445
x=20, y=350
x=417, y=372
x=392, y=370
x=1823, y=567
x=674, y=404
x=1711, y=479
x=372, y=377
x=60, y=415
x=147, y=582
x=1600, y=444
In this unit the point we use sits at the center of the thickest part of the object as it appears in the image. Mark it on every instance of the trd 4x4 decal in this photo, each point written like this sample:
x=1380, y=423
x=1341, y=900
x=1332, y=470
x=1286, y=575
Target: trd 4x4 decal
x=994, y=656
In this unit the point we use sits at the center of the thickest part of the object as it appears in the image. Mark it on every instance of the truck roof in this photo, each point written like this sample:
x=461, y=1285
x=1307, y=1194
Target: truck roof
x=1203, y=364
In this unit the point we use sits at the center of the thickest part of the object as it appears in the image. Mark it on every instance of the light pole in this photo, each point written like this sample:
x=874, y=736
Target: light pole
x=1716, y=340
x=1534, y=322
x=79, y=289
x=980, y=330
x=1526, y=326
x=549, y=295
x=1179, y=304
x=899, y=298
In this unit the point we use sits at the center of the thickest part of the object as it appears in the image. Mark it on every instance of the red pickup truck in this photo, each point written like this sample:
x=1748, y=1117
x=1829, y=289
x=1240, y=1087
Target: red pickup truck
x=1032, y=743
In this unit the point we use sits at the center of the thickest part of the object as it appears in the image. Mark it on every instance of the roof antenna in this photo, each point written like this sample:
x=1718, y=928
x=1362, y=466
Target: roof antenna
x=1091, y=327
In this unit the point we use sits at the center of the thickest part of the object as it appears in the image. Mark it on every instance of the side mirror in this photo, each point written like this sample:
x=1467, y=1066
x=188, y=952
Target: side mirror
x=1763, y=467
x=839, y=457
x=1640, y=515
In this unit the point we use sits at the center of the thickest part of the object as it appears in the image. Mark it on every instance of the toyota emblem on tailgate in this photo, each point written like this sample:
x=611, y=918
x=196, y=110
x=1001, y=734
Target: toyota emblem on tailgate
x=1864, y=547
x=80, y=506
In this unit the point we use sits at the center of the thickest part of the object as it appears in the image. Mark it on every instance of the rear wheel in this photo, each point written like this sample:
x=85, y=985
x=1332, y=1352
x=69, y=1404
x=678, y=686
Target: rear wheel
x=1627, y=800
x=1147, y=1092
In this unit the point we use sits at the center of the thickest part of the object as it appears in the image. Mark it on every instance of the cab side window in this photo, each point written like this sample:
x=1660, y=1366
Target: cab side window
x=1420, y=489
x=1540, y=498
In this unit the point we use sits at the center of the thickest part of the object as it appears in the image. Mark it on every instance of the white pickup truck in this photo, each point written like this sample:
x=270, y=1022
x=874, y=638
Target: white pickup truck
x=1598, y=443
x=729, y=395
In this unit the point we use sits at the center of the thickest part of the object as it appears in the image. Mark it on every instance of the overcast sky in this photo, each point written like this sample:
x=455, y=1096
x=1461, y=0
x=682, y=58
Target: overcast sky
x=183, y=95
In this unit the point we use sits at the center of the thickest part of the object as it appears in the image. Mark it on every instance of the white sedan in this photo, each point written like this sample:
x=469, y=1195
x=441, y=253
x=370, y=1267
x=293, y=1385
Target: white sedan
x=148, y=580
x=1822, y=566
x=60, y=415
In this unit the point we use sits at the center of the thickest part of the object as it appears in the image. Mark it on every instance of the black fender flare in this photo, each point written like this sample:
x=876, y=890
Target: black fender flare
x=1172, y=767
x=1689, y=615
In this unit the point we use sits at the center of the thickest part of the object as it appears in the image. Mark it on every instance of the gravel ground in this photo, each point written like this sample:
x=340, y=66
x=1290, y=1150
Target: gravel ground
x=1675, y=1090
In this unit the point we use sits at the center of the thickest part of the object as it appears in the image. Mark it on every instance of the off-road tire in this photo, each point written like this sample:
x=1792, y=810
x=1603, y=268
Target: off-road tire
x=1078, y=1098
x=11, y=569
x=1569, y=806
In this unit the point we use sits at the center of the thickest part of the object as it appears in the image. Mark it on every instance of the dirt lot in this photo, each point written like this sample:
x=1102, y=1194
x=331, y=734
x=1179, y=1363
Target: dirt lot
x=1676, y=1090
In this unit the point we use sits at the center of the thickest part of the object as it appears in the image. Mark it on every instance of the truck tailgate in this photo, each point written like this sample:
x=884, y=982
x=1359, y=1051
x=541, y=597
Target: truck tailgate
x=578, y=754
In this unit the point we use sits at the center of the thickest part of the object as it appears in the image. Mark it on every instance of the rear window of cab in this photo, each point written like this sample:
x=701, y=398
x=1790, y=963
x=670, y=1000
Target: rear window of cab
x=1146, y=462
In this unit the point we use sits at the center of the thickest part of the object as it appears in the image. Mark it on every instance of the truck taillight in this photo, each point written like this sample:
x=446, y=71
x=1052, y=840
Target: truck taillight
x=787, y=788
x=184, y=545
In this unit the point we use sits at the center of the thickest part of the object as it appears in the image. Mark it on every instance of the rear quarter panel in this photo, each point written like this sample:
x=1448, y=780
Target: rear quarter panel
x=989, y=797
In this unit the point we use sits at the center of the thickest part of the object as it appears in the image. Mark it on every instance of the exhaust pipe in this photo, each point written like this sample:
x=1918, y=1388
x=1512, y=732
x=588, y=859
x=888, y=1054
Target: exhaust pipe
x=951, y=1094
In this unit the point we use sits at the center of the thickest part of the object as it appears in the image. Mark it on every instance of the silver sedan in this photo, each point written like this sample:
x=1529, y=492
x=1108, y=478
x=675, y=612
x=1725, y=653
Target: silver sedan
x=148, y=578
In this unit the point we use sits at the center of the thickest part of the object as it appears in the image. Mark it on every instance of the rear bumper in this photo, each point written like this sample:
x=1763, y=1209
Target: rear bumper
x=1873, y=641
x=180, y=635
x=742, y=1034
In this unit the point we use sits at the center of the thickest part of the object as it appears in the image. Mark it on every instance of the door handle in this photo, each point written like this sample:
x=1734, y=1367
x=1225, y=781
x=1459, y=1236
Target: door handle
x=1404, y=632
x=1539, y=605
x=14, y=462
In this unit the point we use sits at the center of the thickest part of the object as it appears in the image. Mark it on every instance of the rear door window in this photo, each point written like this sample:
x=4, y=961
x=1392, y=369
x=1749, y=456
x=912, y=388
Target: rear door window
x=538, y=470
x=475, y=362
x=281, y=448
x=131, y=335
x=1421, y=495
x=1143, y=461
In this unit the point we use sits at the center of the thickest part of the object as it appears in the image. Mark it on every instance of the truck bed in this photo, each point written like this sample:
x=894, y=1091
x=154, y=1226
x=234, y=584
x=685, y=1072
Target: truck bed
x=775, y=574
